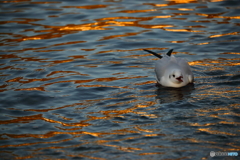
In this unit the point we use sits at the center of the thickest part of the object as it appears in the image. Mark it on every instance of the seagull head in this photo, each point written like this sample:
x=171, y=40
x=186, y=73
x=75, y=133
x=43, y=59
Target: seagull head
x=176, y=76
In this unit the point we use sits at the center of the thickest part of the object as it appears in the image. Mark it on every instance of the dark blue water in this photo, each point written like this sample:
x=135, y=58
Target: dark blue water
x=75, y=83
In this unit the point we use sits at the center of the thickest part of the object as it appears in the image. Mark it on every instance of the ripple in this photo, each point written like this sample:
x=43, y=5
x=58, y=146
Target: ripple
x=77, y=84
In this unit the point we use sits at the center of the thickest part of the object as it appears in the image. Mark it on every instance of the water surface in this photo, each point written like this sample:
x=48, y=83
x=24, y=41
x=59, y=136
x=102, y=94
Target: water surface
x=75, y=83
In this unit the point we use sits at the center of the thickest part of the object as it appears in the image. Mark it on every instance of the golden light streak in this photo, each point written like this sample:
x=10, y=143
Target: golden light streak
x=147, y=103
x=41, y=2
x=231, y=53
x=219, y=62
x=125, y=149
x=226, y=34
x=67, y=43
x=217, y=16
x=121, y=35
x=31, y=89
x=182, y=1
x=182, y=30
x=150, y=153
x=137, y=11
x=52, y=134
x=99, y=85
x=215, y=42
x=88, y=6
x=118, y=113
x=194, y=140
x=216, y=0
x=88, y=49
x=162, y=26
x=80, y=124
x=28, y=119
x=185, y=9
x=64, y=72
x=25, y=119
x=216, y=132
x=176, y=41
x=31, y=38
x=143, y=130
x=161, y=5
x=107, y=79
x=156, y=5
x=82, y=27
x=24, y=80
x=100, y=24
x=144, y=83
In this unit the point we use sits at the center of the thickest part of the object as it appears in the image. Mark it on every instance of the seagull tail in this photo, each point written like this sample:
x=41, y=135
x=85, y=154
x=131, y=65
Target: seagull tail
x=155, y=54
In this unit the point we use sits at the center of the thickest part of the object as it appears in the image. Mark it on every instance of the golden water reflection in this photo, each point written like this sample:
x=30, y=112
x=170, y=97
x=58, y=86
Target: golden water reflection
x=102, y=94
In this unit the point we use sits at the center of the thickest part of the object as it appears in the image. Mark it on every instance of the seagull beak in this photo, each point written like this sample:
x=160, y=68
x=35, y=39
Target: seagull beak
x=180, y=79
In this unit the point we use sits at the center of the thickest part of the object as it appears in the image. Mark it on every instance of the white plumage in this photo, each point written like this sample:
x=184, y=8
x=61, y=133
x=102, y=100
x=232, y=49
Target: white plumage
x=171, y=71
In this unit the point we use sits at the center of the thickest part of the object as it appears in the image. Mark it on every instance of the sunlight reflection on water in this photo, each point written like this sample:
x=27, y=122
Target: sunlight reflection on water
x=76, y=83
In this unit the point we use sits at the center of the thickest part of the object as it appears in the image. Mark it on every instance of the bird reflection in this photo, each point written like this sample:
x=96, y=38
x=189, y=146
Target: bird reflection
x=168, y=94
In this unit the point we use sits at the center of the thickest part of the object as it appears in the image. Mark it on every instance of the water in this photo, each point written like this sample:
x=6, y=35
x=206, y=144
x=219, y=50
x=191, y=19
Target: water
x=75, y=83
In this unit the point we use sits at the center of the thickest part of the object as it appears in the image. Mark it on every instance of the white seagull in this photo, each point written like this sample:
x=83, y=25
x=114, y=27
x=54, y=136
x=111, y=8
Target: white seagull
x=171, y=71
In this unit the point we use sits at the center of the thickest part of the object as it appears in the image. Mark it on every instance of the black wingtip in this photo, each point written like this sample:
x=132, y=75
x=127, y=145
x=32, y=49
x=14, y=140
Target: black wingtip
x=155, y=54
x=169, y=52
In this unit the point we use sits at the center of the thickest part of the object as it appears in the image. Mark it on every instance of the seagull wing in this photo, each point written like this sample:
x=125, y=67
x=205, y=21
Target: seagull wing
x=161, y=66
x=155, y=54
x=169, y=52
x=185, y=68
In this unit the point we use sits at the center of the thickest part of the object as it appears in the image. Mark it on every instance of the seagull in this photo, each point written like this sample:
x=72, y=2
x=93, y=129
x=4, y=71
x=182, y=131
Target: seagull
x=171, y=71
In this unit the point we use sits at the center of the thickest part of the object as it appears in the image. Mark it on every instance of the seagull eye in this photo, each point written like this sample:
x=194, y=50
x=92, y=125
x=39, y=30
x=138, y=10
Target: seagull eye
x=173, y=75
